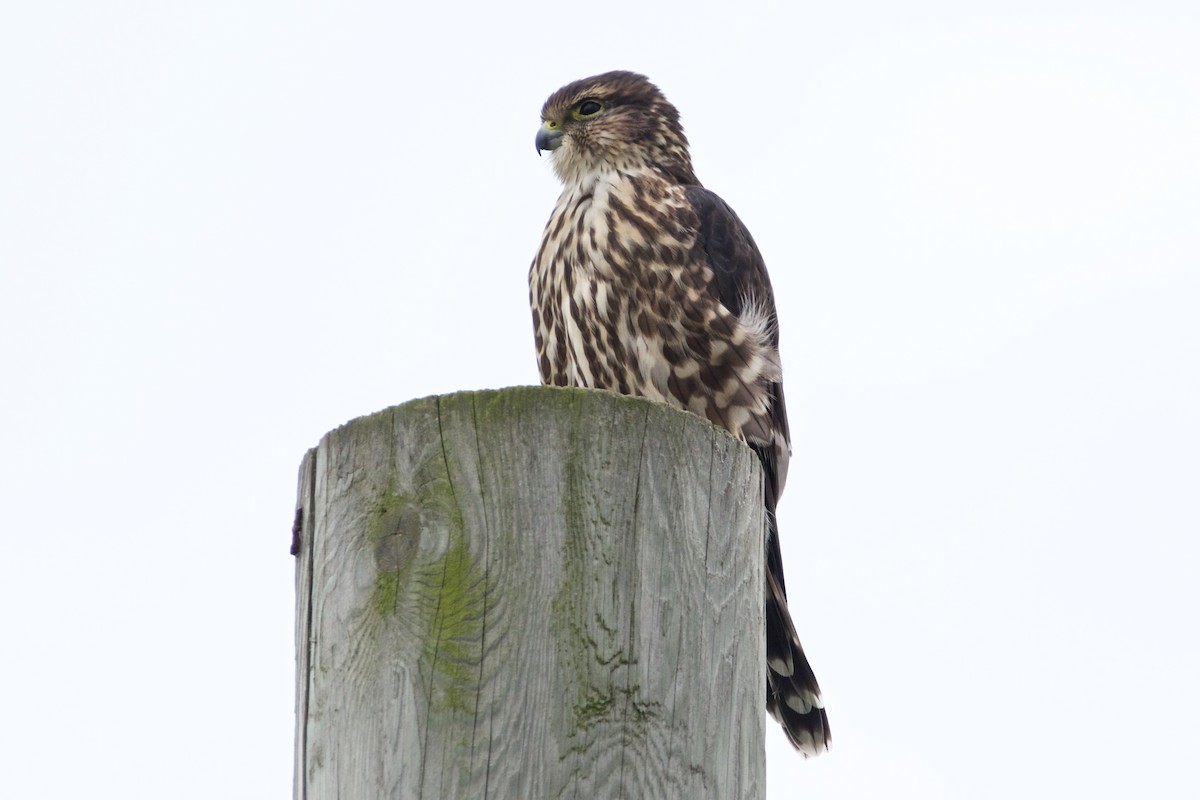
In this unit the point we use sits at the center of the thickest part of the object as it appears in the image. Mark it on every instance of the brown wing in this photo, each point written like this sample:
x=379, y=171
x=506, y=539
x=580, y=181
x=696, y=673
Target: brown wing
x=743, y=287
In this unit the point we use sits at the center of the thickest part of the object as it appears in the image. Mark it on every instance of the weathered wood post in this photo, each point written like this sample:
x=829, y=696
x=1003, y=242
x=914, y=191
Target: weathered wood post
x=529, y=593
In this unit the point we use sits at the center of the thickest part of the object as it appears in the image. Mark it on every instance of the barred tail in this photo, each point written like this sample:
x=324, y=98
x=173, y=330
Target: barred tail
x=793, y=697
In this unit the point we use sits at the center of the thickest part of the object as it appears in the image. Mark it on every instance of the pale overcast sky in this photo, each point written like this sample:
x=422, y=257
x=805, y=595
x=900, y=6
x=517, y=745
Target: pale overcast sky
x=226, y=228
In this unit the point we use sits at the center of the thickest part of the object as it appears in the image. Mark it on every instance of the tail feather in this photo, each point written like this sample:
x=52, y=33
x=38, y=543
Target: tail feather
x=793, y=696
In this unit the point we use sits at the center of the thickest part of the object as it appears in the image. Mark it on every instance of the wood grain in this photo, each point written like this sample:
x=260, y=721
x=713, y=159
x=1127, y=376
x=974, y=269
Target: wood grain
x=530, y=593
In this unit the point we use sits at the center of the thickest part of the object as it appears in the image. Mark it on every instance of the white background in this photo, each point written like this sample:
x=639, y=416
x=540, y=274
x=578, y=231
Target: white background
x=226, y=228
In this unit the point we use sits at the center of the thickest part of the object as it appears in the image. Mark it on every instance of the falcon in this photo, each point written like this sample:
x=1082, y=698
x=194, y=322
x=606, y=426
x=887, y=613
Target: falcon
x=648, y=284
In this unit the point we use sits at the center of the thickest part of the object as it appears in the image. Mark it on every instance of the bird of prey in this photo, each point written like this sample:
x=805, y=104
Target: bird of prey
x=648, y=284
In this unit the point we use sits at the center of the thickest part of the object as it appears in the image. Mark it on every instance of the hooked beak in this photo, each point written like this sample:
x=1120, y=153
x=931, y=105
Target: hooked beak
x=549, y=137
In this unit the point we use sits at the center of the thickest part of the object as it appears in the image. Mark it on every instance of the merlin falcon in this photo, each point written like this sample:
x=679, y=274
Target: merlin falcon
x=648, y=284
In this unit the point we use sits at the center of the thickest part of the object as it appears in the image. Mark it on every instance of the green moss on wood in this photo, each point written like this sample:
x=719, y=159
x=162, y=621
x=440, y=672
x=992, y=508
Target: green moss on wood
x=426, y=574
x=454, y=605
x=383, y=599
x=590, y=644
x=393, y=531
x=444, y=596
x=575, y=643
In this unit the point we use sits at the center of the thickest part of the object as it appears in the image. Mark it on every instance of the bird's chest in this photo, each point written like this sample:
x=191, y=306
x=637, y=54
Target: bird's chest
x=598, y=277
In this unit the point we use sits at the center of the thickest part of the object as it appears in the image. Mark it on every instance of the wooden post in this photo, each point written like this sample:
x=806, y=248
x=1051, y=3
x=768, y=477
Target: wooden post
x=529, y=593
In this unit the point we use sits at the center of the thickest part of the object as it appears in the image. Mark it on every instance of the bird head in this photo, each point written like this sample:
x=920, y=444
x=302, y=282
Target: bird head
x=616, y=121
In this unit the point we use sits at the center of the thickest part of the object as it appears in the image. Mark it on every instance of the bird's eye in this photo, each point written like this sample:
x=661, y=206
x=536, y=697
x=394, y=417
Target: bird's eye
x=588, y=108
